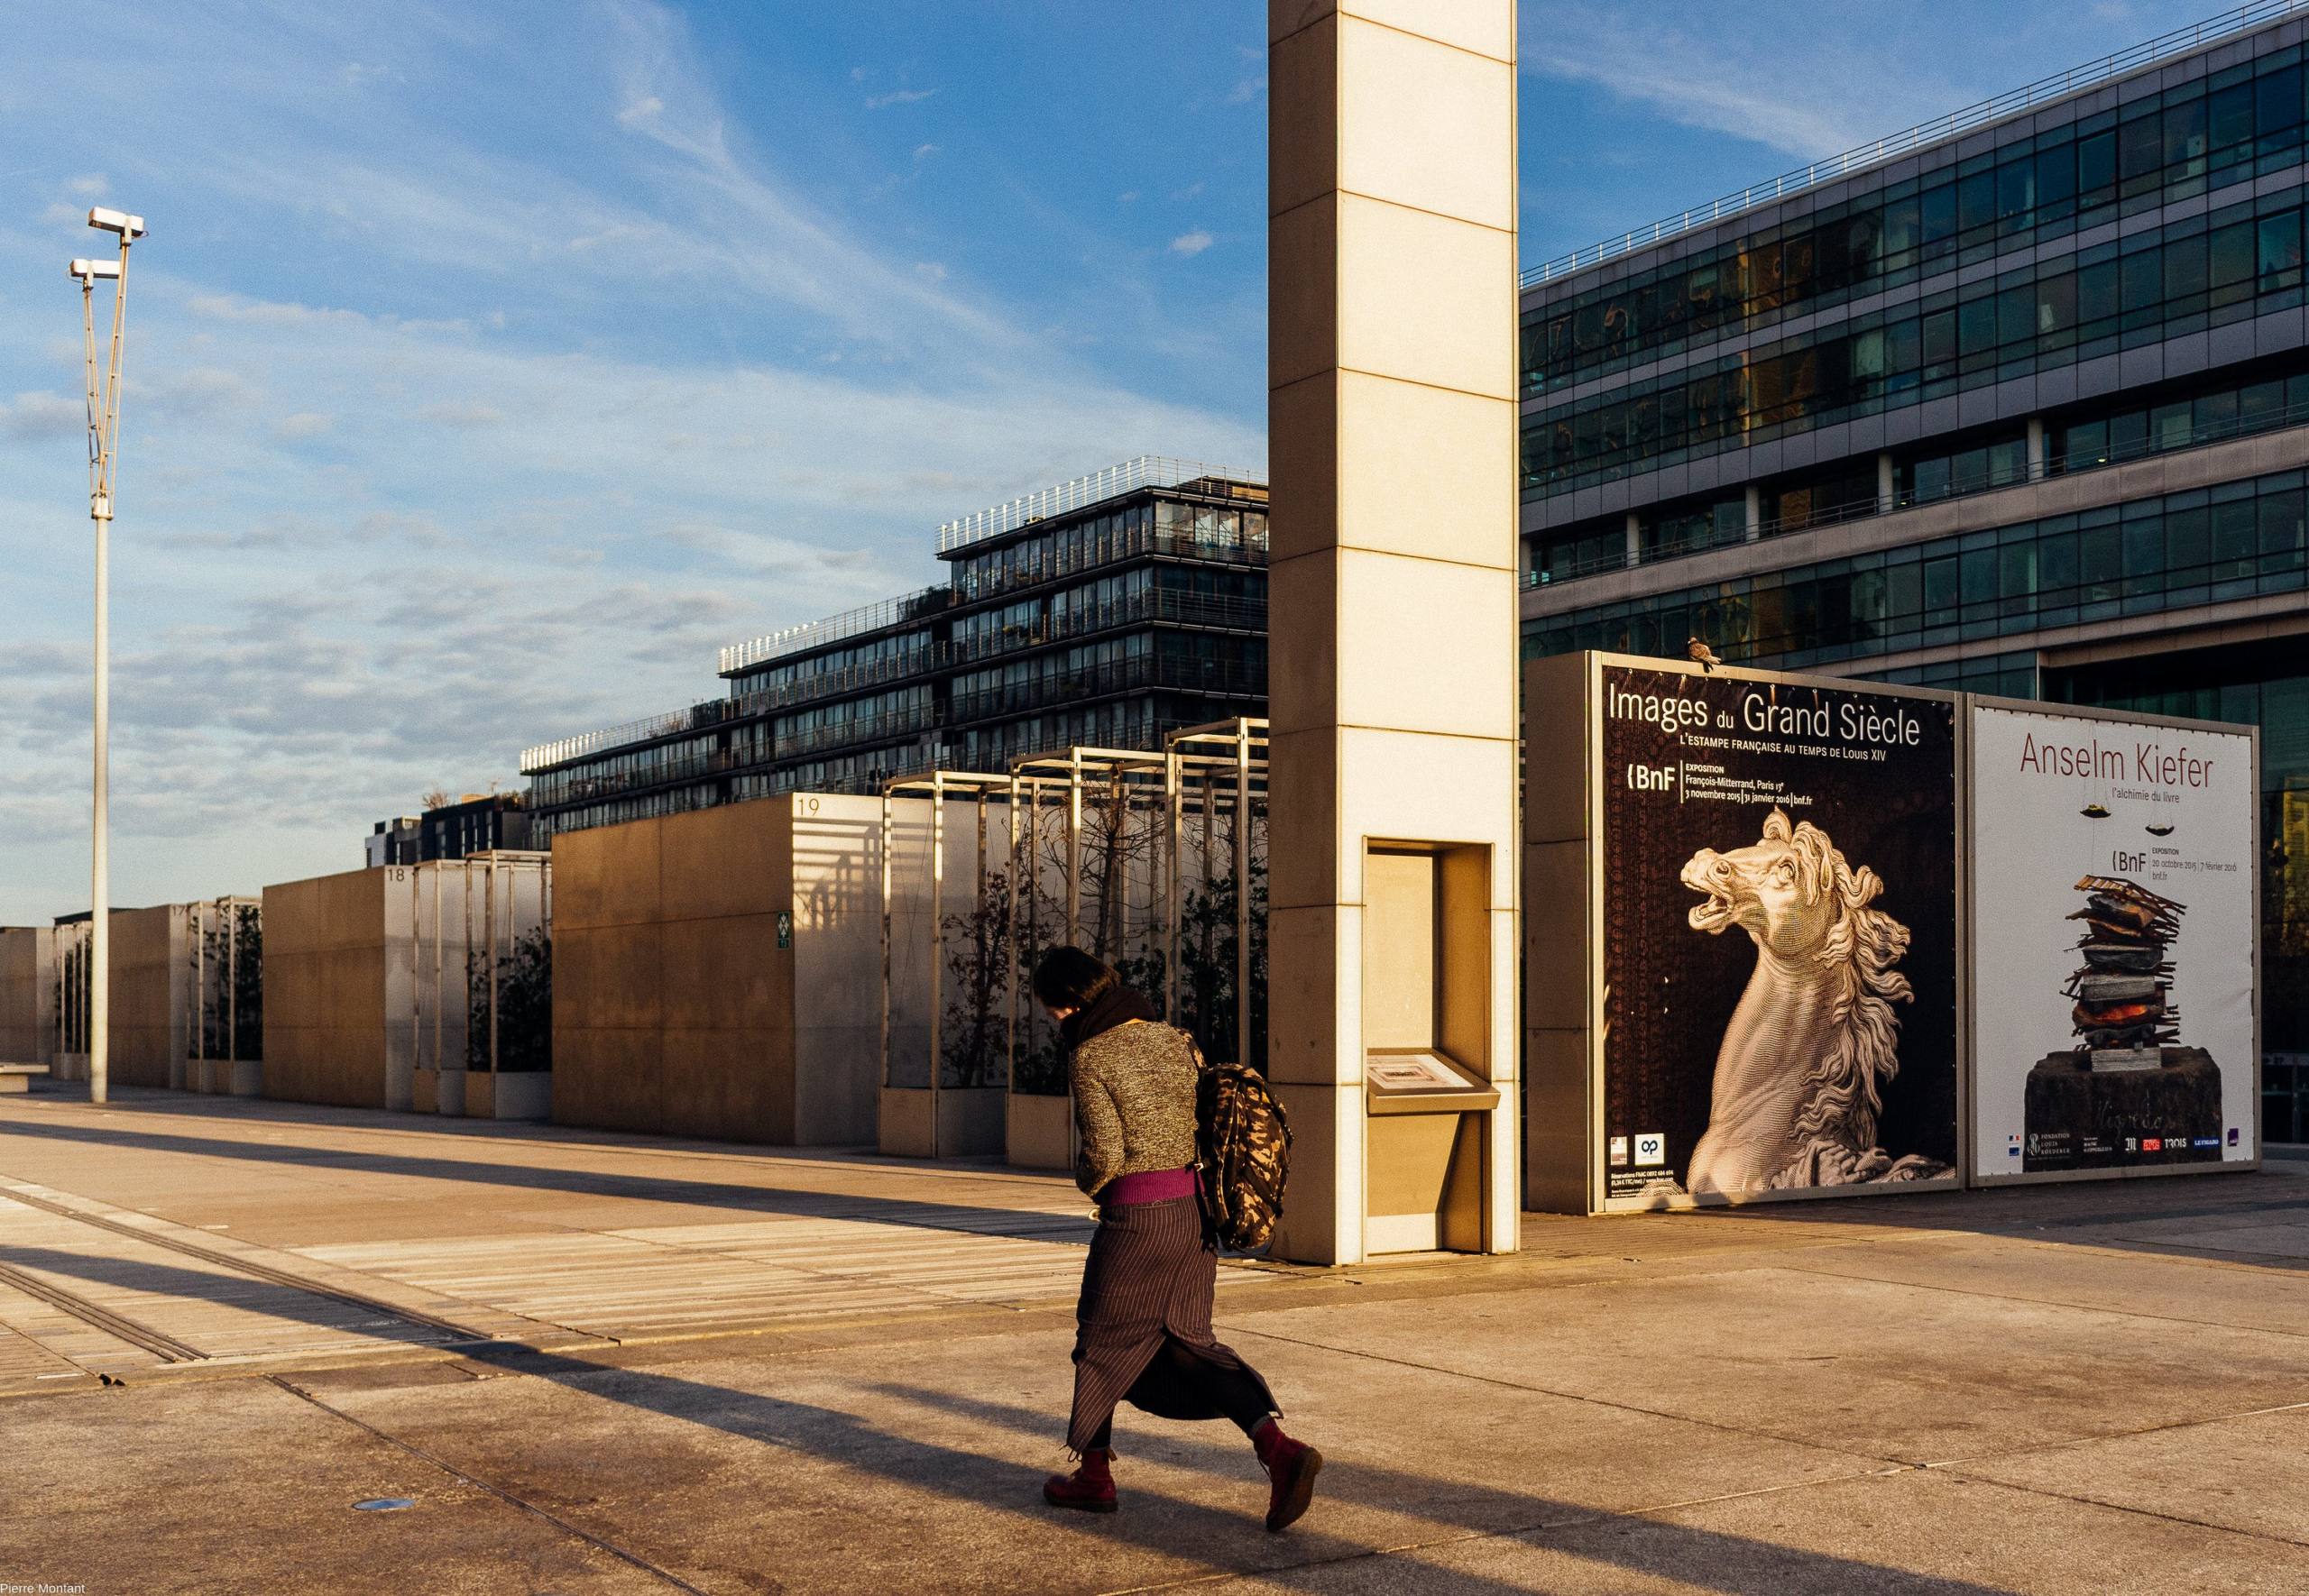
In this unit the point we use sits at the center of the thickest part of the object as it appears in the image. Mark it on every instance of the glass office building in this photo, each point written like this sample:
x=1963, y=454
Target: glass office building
x=2023, y=409
x=1104, y=611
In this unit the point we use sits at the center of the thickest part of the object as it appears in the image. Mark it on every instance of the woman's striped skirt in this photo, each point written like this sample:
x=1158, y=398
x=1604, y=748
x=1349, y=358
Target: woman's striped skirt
x=1150, y=1274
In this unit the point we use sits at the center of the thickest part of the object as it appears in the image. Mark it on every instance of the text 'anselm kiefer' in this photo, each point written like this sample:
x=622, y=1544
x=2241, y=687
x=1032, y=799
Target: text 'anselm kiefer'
x=2117, y=762
x=1853, y=720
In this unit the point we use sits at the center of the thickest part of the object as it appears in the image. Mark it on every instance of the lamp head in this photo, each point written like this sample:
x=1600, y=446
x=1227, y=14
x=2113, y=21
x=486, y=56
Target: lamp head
x=119, y=222
x=88, y=271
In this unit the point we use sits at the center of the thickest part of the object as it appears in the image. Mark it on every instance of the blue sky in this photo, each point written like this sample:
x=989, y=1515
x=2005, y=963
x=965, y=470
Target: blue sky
x=490, y=364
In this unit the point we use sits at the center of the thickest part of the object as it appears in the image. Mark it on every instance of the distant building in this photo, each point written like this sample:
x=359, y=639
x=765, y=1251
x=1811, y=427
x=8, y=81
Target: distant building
x=1106, y=611
x=2017, y=403
x=392, y=842
x=474, y=823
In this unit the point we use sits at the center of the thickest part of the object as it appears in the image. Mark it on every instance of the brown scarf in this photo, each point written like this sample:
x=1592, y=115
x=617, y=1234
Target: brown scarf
x=1119, y=1005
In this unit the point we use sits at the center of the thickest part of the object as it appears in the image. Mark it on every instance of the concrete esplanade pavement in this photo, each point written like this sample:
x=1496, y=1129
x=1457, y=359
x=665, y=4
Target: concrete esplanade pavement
x=601, y=1363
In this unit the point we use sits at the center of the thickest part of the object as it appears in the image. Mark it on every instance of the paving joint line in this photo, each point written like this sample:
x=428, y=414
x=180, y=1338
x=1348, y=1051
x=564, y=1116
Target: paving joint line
x=1540, y=1391
x=2091, y=1501
x=252, y=1268
x=2081, y=1307
x=502, y=1494
x=2077, y=1441
x=119, y=1326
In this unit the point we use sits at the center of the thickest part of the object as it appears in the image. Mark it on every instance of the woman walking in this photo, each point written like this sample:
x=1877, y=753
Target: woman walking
x=1142, y=1325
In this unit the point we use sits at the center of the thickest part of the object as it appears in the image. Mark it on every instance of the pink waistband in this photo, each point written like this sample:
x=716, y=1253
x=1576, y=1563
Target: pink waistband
x=1149, y=1186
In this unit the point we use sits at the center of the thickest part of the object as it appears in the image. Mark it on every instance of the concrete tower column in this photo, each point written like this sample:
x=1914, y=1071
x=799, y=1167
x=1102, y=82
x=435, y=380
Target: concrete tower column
x=1392, y=376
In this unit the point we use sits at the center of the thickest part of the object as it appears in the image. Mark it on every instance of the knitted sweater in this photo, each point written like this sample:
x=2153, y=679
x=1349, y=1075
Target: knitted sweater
x=1133, y=1101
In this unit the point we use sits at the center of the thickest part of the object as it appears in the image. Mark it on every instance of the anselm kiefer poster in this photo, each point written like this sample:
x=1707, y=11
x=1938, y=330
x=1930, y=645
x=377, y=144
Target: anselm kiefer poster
x=2112, y=864
x=1780, y=924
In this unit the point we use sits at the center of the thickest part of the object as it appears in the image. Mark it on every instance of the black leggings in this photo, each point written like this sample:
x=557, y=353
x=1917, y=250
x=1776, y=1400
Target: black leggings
x=1233, y=1391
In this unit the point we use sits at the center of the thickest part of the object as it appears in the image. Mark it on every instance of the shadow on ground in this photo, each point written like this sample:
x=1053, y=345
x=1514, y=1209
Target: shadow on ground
x=1156, y=1523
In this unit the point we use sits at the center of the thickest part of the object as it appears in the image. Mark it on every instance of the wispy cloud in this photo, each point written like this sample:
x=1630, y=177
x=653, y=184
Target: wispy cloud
x=898, y=97
x=616, y=409
x=1775, y=78
x=1191, y=243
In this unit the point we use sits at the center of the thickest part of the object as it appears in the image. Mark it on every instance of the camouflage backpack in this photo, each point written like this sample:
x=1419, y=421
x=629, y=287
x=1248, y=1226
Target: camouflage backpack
x=1245, y=1147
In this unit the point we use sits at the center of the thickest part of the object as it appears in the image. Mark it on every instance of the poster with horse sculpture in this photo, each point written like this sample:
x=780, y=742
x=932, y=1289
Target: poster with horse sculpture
x=1780, y=936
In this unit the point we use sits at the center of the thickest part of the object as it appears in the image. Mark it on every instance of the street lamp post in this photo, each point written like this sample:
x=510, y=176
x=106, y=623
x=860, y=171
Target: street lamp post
x=104, y=436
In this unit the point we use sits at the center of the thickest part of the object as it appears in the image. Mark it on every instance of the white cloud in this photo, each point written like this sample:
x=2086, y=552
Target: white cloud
x=1773, y=77
x=1246, y=90
x=92, y=186
x=640, y=110
x=649, y=458
x=43, y=416
x=1191, y=243
x=897, y=96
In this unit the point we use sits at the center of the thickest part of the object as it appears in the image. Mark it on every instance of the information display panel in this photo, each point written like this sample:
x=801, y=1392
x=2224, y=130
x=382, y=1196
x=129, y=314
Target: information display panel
x=1779, y=912
x=2115, y=949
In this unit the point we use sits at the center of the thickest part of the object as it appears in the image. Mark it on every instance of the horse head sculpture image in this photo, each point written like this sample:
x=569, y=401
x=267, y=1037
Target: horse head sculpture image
x=1799, y=1076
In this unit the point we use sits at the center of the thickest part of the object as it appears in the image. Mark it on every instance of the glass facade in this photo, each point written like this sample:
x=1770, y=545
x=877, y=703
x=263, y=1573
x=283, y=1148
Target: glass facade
x=2242, y=540
x=2205, y=271
x=2170, y=223
x=2192, y=139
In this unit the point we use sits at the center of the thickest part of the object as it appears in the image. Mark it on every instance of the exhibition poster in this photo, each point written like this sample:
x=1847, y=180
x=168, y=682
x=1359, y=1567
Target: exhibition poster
x=1780, y=934
x=2113, y=954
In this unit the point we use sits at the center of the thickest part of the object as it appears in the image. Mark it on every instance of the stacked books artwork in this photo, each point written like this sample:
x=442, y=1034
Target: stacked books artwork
x=2124, y=1091
x=2124, y=990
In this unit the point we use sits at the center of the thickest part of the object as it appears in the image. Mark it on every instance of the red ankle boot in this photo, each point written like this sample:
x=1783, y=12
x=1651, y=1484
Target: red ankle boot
x=1291, y=1470
x=1089, y=1489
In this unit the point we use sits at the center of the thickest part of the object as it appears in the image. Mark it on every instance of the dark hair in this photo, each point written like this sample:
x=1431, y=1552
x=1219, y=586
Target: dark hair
x=1069, y=978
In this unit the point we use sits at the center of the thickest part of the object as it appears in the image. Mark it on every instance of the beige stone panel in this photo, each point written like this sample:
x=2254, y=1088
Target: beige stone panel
x=1303, y=654
x=1315, y=994
x=1485, y=26
x=1425, y=125
x=1304, y=321
x=1405, y=786
x=1424, y=298
x=1302, y=117
x=1434, y=646
x=1427, y=471
x=717, y=974
x=1322, y=1207
x=1506, y=951
x=1302, y=467
x=735, y=859
x=1302, y=782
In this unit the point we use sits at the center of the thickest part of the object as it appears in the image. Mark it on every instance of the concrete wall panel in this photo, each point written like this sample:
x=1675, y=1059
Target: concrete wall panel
x=675, y=1009
x=27, y=994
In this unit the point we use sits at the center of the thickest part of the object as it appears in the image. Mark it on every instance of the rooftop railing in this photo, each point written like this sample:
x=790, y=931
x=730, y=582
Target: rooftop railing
x=850, y=623
x=1144, y=470
x=2178, y=42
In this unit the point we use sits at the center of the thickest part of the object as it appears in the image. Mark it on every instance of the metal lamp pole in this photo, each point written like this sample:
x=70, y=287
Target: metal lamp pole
x=104, y=436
